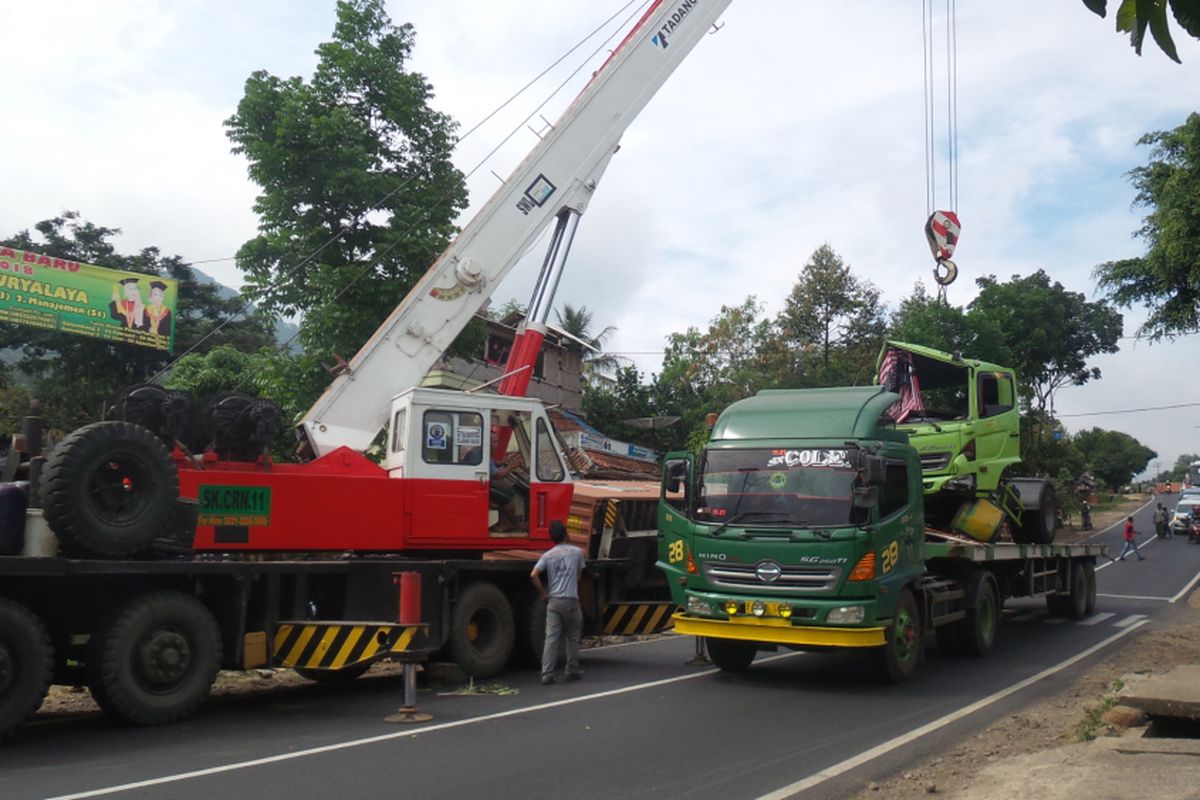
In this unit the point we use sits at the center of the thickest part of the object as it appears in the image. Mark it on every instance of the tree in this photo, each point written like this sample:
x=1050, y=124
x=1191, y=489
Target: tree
x=1167, y=277
x=1051, y=332
x=1113, y=457
x=359, y=192
x=73, y=375
x=833, y=322
x=922, y=319
x=1135, y=16
x=578, y=323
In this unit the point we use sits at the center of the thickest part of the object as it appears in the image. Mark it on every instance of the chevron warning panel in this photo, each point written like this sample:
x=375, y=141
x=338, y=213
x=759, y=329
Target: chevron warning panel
x=628, y=619
x=335, y=645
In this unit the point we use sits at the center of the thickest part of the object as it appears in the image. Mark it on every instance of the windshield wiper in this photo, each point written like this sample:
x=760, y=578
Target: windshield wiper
x=744, y=514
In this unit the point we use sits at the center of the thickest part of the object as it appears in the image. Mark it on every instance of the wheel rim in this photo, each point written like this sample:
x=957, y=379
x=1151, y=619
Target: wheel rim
x=481, y=630
x=987, y=617
x=163, y=660
x=906, y=635
x=118, y=488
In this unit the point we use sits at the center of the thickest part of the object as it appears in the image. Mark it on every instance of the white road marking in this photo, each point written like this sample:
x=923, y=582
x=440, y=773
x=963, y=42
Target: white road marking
x=1130, y=620
x=406, y=733
x=1096, y=619
x=888, y=746
x=1120, y=521
x=1136, y=597
x=1186, y=589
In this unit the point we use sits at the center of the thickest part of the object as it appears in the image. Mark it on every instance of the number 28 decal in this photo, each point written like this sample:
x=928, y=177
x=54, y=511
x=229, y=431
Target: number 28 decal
x=675, y=551
x=890, y=555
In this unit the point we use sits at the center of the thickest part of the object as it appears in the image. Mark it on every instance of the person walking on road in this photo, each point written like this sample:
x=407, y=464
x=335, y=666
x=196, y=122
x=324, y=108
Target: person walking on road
x=563, y=565
x=1130, y=542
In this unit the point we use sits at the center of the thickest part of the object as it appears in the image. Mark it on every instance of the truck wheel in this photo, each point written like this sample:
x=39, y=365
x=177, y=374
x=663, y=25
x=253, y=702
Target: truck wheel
x=899, y=656
x=26, y=664
x=976, y=633
x=334, y=676
x=1036, y=525
x=1075, y=604
x=731, y=655
x=531, y=630
x=155, y=660
x=108, y=489
x=1089, y=569
x=482, y=630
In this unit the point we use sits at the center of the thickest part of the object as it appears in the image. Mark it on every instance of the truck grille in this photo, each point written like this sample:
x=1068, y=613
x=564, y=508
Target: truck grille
x=934, y=462
x=791, y=579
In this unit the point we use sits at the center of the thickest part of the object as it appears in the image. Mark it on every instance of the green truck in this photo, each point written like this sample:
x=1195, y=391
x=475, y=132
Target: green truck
x=813, y=519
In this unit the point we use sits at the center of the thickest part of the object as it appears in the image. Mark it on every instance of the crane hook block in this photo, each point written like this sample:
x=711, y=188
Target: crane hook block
x=951, y=272
x=942, y=230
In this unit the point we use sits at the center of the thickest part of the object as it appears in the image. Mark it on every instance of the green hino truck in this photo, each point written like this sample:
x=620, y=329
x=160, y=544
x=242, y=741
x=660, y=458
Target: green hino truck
x=863, y=517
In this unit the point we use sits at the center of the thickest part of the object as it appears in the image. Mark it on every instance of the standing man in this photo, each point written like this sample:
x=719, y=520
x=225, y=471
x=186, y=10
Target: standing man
x=1160, y=522
x=564, y=564
x=1130, y=542
x=1085, y=515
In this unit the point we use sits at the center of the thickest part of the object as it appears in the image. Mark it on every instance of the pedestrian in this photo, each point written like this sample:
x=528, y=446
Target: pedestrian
x=1085, y=515
x=1130, y=542
x=1162, y=527
x=563, y=565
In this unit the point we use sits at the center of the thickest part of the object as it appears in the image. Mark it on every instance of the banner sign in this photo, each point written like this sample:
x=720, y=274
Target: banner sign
x=55, y=294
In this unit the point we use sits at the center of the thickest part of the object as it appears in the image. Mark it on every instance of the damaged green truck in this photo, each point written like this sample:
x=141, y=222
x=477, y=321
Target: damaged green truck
x=864, y=517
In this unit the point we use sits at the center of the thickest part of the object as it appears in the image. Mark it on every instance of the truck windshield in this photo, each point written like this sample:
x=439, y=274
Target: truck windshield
x=772, y=487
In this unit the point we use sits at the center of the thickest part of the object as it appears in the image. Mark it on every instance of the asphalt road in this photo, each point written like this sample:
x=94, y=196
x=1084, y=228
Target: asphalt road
x=642, y=723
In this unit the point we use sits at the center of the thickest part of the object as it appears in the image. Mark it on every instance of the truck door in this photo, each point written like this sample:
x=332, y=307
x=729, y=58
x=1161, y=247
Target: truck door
x=996, y=405
x=549, y=489
x=448, y=500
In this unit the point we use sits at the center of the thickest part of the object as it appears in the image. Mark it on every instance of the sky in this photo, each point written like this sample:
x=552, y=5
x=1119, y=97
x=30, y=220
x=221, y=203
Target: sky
x=794, y=125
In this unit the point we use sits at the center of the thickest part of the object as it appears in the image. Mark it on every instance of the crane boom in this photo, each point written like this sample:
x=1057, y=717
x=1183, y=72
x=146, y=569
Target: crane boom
x=556, y=179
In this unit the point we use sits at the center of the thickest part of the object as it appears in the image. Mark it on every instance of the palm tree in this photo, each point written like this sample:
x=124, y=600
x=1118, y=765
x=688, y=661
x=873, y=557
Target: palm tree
x=578, y=323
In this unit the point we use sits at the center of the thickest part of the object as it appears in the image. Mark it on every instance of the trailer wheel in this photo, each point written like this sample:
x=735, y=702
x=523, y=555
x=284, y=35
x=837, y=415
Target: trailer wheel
x=1075, y=604
x=26, y=665
x=976, y=633
x=1089, y=569
x=899, y=656
x=1037, y=524
x=531, y=630
x=155, y=661
x=334, y=676
x=731, y=655
x=482, y=630
x=108, y=489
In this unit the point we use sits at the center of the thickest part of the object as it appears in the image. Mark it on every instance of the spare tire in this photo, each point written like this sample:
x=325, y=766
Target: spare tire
x=1037, y=524
x=108, y=489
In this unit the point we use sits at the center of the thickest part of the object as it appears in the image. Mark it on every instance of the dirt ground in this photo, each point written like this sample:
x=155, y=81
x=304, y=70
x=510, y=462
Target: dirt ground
x=1052, y=723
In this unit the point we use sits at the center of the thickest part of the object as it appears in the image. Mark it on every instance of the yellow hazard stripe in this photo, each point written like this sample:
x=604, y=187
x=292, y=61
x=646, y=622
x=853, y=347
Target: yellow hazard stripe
x=343, y=653
x=628, y=619
x=293, y=655
x=610, y=514
x=404, y=640
x=334, y=646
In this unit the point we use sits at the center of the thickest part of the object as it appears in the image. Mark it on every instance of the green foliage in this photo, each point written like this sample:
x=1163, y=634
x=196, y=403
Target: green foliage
x=1135, y=16
x=358, y=189
x=1112, y=457
x=1167, y=277
x=1049, y=331
x=72, y=376
x=577, y=321
x=609, y=406
x=222, y=369
x=832, y=324
x=922, y=319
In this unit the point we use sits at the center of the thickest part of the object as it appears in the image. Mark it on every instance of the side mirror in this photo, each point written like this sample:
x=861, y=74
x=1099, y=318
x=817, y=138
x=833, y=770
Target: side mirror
x=872, y=469
x=676, y=473
x=866, y=496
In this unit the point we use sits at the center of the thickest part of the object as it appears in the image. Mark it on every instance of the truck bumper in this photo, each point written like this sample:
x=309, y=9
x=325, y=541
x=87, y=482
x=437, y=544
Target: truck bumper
x=778, y=631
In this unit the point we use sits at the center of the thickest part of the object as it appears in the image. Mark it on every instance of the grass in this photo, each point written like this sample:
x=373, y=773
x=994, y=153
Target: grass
x=1093, y=718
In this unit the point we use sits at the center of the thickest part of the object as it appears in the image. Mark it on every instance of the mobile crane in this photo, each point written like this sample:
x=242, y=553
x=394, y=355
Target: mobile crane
x=286, y=560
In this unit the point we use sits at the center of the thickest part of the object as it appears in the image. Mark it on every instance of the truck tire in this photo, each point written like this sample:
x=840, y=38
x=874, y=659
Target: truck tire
x=108, y=489
x=531, y=630
x=154, y=661
x=898, y=658
x=482, y=631
x=26, y=665
x=731, y=655
x=1037, y=524
x=976, y=634
x=1074, y=604
x=334, y=676
x=1089, y=569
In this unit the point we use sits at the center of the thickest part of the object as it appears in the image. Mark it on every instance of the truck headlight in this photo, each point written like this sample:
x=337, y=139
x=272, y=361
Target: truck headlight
x=758, y=608
x=846, y=615
x=697, y=605
x=731, y=607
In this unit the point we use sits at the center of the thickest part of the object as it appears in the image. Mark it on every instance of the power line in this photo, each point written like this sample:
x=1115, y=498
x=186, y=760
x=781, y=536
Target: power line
x=1130, y=410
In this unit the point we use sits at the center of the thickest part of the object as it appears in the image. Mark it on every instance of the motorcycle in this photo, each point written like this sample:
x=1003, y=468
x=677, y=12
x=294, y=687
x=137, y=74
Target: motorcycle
x=1193, y=530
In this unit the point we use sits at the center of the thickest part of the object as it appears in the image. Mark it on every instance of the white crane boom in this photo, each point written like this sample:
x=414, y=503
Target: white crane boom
x=557, y=177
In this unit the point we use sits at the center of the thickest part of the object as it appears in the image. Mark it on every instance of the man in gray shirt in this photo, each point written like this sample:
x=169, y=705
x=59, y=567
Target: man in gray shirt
x=563, y=565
